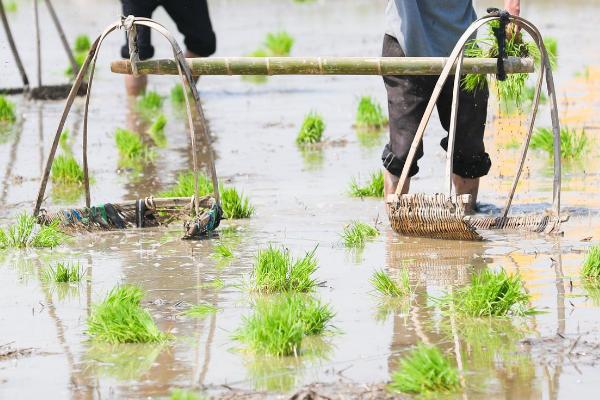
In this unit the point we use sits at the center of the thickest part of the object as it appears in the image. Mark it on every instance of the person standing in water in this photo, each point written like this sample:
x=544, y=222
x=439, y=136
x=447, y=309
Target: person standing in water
x=431, y=28
x=193, y=21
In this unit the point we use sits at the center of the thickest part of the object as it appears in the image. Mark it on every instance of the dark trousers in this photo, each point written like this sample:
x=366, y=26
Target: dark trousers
x=407, y=99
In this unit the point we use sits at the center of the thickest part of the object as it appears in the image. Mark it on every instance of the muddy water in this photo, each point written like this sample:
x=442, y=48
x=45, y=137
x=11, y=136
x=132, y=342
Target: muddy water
x=301, y=203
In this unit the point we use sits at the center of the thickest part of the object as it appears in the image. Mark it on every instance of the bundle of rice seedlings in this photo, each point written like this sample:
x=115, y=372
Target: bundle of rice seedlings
x=276, y=271
x=79, y=60
x=82, y=44
x=357, y=233
x=63, y=273
x=7, y=111
x=234, y=204
x=26, y=233
x=119, y=318
x=157, y=131
x=279, y=43
x=150, y=102
x=177, y=94
x=573, y=143
x=425, y=370
x=311, y=130
x=278, y=325
x=591, y=266
x=131, y=148
x=373, y=188
x=490, y=294
x=390, y=287
x=369, y=114
x=66, y=170
x=200, y=310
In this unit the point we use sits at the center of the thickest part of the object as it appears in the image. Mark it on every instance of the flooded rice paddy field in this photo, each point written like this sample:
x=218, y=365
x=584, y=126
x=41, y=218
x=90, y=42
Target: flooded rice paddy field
x=301, y=202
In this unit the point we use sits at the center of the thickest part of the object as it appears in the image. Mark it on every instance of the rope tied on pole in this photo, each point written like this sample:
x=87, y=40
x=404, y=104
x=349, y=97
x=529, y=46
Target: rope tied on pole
x=500, y=34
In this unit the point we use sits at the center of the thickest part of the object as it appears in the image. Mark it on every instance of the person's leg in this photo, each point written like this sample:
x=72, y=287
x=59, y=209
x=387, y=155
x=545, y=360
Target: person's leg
x=136, y=85
x=407, y=100
x=470, y=161
x=193, y=21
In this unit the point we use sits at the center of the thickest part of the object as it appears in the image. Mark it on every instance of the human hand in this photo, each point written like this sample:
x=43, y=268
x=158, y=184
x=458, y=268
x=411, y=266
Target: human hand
x=514, y=8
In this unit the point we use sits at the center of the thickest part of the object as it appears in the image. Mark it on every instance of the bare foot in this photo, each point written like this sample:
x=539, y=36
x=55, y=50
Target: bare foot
x=467, y=186
x=390, y=183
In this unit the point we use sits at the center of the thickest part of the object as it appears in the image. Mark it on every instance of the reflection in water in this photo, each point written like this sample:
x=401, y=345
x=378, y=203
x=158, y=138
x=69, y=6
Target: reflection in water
x=313, y=157
x=129, y=361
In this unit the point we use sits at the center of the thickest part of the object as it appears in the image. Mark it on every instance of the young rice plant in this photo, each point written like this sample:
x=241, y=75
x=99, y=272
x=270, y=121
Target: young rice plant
x=222, y=251
x=279, y=44
x=200, y=310
x=390, y=287
x=63, y=273
x=130, y=147
x=177, y=95
x=66, y=170
x=157, y=131
x=357, y=233
x=425, y=370
x=7, y=111
x=591, y=266
x=573, y=143
x=311, y=130
x=82, y=44
x=121, y=319
x=276, y=271
x=373, y=188
x=26, y=233
x=150, y=102
x=369, y=114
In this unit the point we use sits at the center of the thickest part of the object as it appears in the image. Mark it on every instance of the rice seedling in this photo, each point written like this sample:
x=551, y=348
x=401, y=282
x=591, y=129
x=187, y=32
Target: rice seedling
x=82, y=44
x=26, y=233
x=181, y=394
x=214, y=284
x=390, y=287
x=119, y=318
x=200, y=310
x=79, y=60
x=278, y=325
x=222, y=251
x=185, y=186
x=425, y=370
x=490, y=294
x=311, y=130
x=357, y=233
x=591, y=266
x=235, y=205
x=275, y=270
x=130, y=146
x=157, y=131
x=66, y=170
x=11, y=6
x=63, y=273
x=573, y=143
x=279, y=43
x=369, y=114
x=150, y=102
x=177, y=94
x=65, y=142
x=373, y=188
x=7, y=111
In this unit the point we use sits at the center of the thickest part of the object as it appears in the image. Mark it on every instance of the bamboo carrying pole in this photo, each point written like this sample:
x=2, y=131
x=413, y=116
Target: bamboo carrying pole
x=321, y=66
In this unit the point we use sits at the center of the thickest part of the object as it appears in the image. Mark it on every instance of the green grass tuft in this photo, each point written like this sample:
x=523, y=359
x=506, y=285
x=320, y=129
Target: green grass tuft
x=311, y=130
x=177, y=94
x=7, y=111
x=200, y=310
x=121, y=319
x=79, y=60
x=26, y=233
x=369, y=114
x=131, y=148
x=490, y=294
x=279, y=43
x=591, y=266
x=66, y=170
x=357, y=233
x=63, y=273
x=157, y=131
x=82, y=44
x=278, y=325
x=388, y=286
x=235, y=205
x=150, y=102
x=222, y=251
x=573, y=143
x=374, y=188
x=276, y=271
x=425, y=370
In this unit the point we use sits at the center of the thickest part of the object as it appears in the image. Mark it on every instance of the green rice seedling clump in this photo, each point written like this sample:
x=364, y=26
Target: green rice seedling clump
x=121, y=319
x=373, y=188
x=425, y=370
x=235, y=205
x=157, y=131
x=390, y=287
x=11, y=6
x=591, y=266
x=26, y=233
x=311, y=130
x=180, y=394
x=222, y=251
x=82, y=44
x=150, y=102
x=7, y=111
x=177, y=94
x=369, y=114
x=79, y=60
x=490, y=294
x=200, y=310
x=185, y=186
x=130, y=146
x=279, y=43
x=63, y=273
x=275, y=270
x=66, y=170
x=573, y=143
x=357, y=233
x=278, y=325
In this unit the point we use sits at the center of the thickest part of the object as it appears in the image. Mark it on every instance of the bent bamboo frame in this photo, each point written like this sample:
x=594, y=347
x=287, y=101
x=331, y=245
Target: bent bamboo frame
x=320, y=66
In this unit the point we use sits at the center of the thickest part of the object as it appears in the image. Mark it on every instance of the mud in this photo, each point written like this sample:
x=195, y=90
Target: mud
x=301, y=202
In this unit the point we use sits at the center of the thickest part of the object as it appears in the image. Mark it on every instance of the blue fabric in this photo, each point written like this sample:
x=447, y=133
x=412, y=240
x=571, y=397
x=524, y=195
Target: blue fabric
x=429, y=28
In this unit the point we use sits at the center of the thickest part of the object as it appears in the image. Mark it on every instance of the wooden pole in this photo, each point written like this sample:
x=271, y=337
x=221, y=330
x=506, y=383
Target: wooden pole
x=320, y=66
